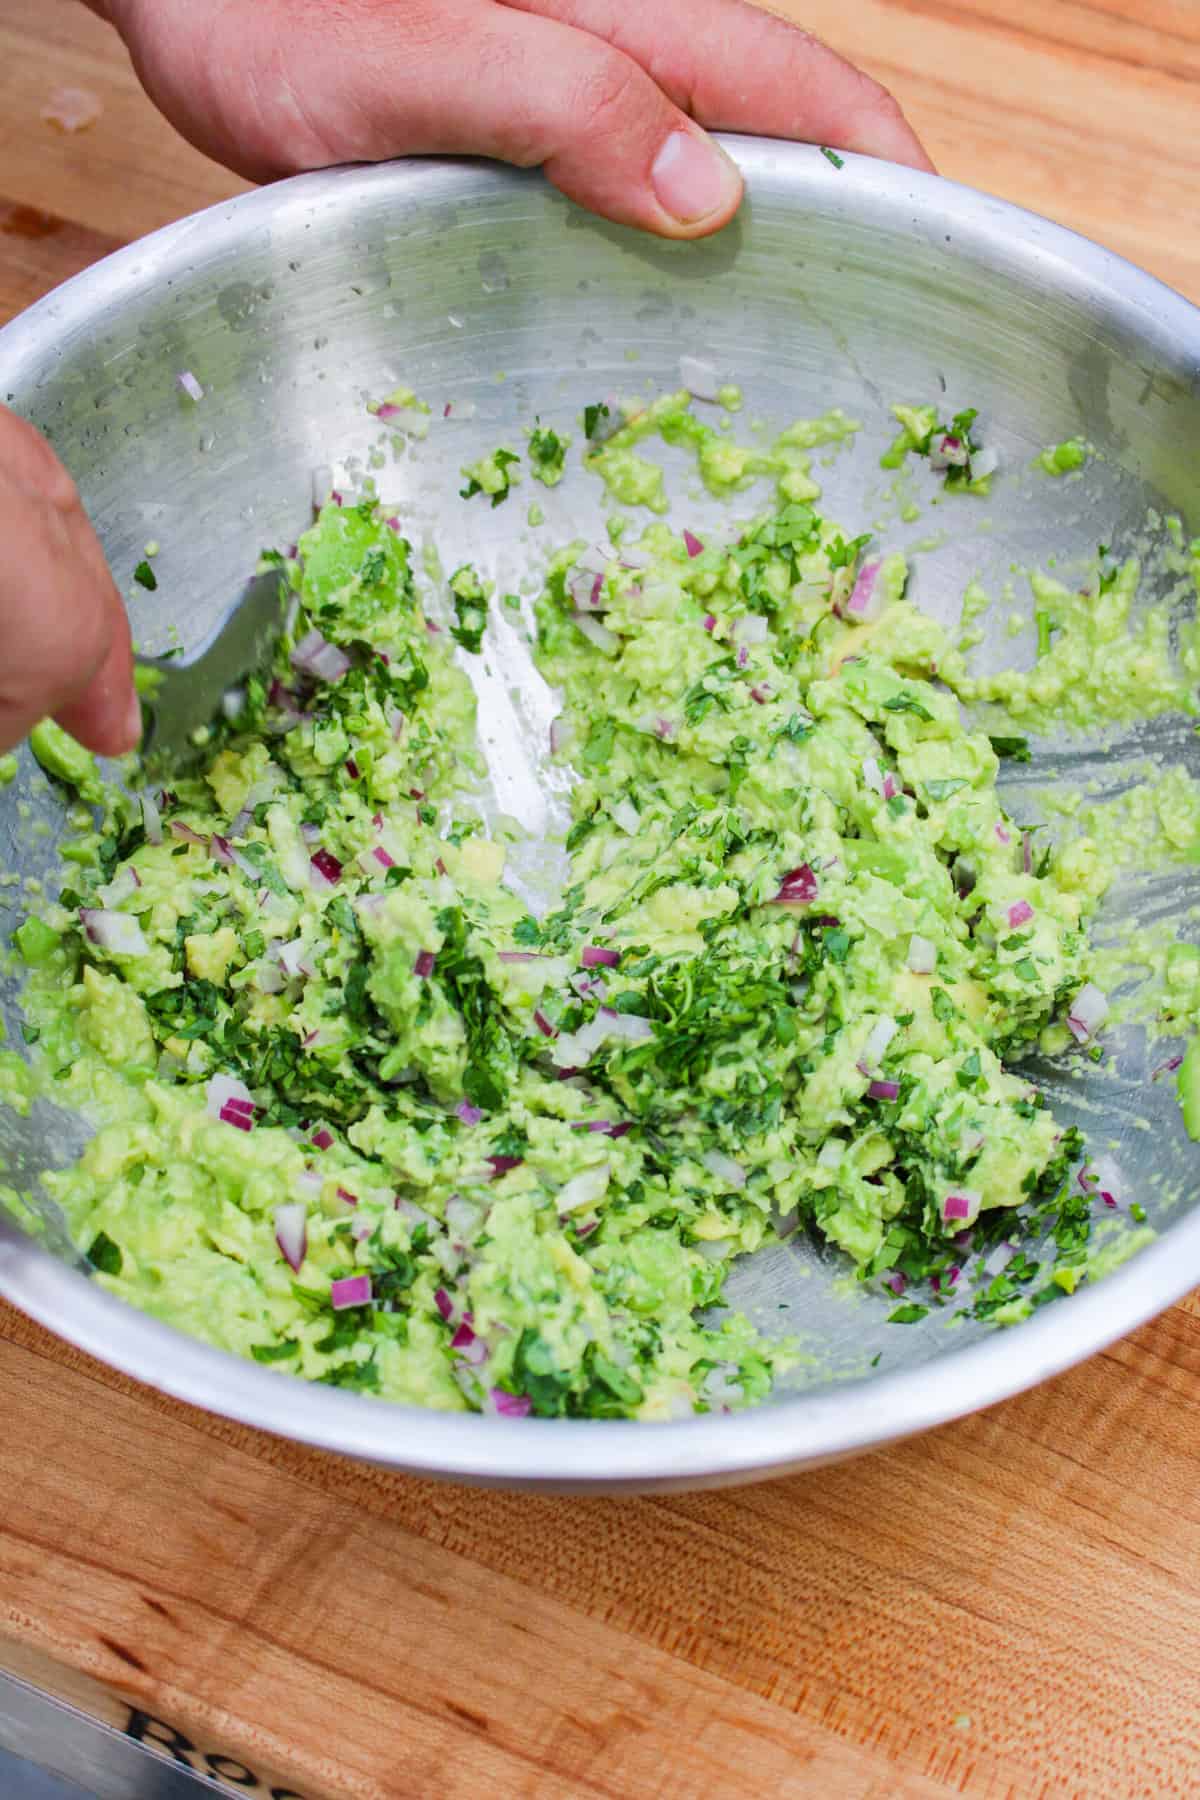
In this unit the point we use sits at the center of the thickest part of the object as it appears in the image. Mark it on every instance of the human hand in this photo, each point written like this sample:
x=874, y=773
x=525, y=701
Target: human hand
x=64, y=638
x=609, y=98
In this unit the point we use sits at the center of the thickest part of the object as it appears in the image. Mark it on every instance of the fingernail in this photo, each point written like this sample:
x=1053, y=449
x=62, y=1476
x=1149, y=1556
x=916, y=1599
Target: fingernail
x=133, y=721
x=692, y=177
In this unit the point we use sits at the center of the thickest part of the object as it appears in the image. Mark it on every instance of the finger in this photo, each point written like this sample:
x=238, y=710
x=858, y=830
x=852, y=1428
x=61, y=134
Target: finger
x=539, y=92
x=103, y=710
x=64, y=630
x=107, y=716
x=734, y=67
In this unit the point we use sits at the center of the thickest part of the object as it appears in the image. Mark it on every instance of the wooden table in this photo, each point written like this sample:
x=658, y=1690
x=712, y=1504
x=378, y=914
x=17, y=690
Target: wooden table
x=1007, y=1607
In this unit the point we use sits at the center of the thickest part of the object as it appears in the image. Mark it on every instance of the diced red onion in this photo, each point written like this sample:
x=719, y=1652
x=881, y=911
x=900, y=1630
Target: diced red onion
x=799, y=887
x=599, y=956
x=511, y=1406
x=865, y=601
x=949, y=452
x=596, y=633
x=291, y=1232
x=584, y=1189
x=350, y=1290
x=630, y=1026
x=750, y=628
x=221, y=1091
x=878, y=1039
x=187, y=384
x=314, y=655
x=872, y=774
x=325, y=871
x=1019, y=913
x=115, y=932
x=544, y=1026
x=518, y=956
x=692, y=544
x=884, y=1090
x=724, y=1168
x=1003, y=835
x=1087, y=1013
x=123, y=885
x=223, y=852
x=500, y=1165
x=699, y=378
x=961, y=1206
x=470, y=1115
x=151, y=820
x=423, y=966
x=586, y=589
x=710, y=621
x=562, y=733
x=462, y=1216
x=896, y=1282
x=1027, y=853
x=444, y=1304
x=922, y=955
x=268, y=979
x=322, y=1138
x=890, y=787
x=232, y=1114
x=180, y=830
x=761, y=693
x=292, y=959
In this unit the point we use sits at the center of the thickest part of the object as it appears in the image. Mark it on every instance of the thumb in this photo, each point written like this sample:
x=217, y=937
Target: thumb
x=612, y=141
x=63, y=628
x=541, y=92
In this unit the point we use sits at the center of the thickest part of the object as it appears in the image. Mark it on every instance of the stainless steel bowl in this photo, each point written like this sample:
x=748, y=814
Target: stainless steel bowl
x=854, y=287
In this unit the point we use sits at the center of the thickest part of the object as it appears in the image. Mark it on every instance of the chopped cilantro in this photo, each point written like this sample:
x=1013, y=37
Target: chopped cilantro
x=104, y=1255
x=594, y=418
x=1016, y=748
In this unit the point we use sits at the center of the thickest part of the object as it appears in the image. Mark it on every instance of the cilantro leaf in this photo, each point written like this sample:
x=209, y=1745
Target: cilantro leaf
x=104, y=1255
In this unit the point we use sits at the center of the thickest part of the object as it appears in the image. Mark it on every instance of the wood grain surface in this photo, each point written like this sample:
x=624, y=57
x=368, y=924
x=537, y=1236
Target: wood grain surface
x=1005, y=1608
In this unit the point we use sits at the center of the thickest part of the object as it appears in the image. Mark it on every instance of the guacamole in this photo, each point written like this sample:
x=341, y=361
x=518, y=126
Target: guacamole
x=365, y=1117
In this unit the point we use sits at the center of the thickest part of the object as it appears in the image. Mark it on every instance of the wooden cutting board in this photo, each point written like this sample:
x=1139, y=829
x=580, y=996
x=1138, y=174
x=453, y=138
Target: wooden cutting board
x=1007, y=1607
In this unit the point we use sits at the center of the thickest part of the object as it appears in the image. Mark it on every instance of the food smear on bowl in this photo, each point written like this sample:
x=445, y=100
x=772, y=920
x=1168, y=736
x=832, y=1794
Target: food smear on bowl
x=364, y=1117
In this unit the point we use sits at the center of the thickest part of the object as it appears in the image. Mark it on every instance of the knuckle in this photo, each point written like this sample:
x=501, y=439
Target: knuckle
x=874, y=98
x=602, y=97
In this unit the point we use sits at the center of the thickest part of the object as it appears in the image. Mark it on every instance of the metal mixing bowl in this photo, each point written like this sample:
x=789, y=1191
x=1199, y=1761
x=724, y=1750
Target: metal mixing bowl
x=855, y=287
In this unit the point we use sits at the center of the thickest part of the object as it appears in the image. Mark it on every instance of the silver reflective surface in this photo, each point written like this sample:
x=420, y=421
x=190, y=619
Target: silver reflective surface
x=486, y=291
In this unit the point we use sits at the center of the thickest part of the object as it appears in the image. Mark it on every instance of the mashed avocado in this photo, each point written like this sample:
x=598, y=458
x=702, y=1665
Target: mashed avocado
x=362, y=1115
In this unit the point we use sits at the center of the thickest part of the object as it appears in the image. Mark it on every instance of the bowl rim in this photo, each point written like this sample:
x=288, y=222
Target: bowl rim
x=805, y=1430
